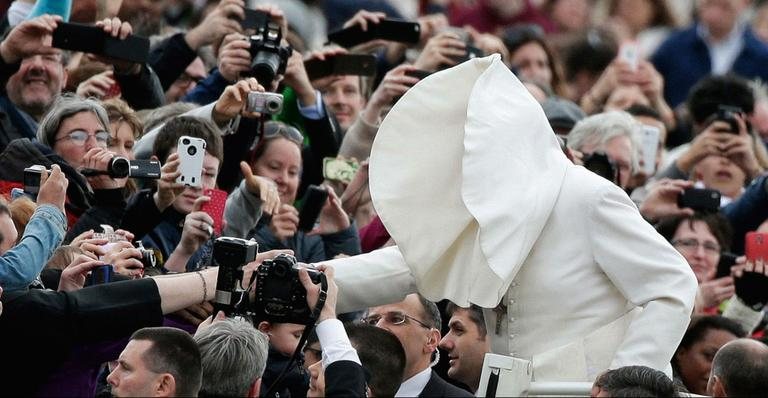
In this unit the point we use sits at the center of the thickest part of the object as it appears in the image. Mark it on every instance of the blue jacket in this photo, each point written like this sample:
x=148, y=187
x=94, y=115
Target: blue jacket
x=747, y=212
x=20, y=265
x=683, y=59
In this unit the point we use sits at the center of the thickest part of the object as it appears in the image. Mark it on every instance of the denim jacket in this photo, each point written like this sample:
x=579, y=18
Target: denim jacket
x=20, y=265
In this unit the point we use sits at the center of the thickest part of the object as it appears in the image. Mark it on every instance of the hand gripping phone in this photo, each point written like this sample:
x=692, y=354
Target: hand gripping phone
x=191, y=153
x=649, y=143
x=215, y=207
x=312, y=204
x=93, y=39
x=756, y=246
x=341, y=64
x=700, y=199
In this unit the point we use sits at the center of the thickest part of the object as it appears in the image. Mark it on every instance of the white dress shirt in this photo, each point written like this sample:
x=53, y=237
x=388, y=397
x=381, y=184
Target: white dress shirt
x=723, y=53
x=335, y=343
x=414, y=385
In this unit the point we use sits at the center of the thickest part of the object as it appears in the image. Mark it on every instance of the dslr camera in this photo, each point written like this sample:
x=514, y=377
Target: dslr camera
x=268, y=58
x=230, y=255
x=600, y=164
x=270, y=103
x=280, y=296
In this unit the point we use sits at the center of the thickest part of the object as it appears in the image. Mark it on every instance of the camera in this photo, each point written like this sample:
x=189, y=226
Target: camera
x=728, y=114
x=148, y=257
x=280, y=296
x=120, y=167
x=270, y=103
x=230, y=255
x=268, y=58
x=32, y=175
x=600, y=164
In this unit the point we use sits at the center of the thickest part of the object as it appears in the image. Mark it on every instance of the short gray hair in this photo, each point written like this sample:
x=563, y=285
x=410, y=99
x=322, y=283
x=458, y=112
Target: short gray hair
x=597, y=130
x=234, y=355
x=64, y=107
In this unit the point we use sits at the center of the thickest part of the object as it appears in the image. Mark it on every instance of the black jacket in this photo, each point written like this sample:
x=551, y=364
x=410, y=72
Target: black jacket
x=344, y=379
x=437, y=387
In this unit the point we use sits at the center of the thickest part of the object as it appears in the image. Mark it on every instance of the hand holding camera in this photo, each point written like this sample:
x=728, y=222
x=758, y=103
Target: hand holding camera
x=126, y=259
x=73, y=277
x=235, y=100
x=313, y=291
x=662, y=200
x=714, y=292
x=198, y=228
x=30, y=37
x=100, y=159
x=395, y=83
x=234, y=56
x=223, y=20
x=443, y=49
x=53, y=188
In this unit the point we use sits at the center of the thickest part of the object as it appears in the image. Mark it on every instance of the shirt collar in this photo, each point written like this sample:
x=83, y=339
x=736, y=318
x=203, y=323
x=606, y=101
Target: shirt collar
x=413, y=386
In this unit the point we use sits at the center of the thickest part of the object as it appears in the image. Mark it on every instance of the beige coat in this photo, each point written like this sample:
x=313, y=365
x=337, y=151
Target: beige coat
x=486, y=209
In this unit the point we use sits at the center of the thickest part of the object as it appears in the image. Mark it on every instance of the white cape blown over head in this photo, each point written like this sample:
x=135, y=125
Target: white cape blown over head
x=464, y=173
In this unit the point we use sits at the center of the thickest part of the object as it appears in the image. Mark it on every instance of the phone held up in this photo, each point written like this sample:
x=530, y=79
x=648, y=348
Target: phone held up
x=191, y=152
x=312, y=204
x=215, y=207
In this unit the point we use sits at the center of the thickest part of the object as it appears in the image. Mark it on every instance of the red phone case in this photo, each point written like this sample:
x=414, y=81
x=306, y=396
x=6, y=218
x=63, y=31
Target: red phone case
x=756, y=246
x=215, y=207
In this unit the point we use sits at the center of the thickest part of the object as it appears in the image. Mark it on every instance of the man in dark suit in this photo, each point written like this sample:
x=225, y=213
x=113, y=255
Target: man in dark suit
x=415, y=321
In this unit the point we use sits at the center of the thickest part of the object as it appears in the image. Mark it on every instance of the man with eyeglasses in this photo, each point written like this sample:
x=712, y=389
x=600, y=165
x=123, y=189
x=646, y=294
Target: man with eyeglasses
x=415, y=321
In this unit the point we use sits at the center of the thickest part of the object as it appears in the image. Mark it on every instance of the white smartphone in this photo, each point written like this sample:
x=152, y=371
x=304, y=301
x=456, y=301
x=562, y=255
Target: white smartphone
x=191, y=153
x=629, y=52
x=649, y=146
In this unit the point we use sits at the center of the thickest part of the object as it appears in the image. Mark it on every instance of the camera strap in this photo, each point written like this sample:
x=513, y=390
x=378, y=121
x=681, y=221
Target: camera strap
x=310, y=325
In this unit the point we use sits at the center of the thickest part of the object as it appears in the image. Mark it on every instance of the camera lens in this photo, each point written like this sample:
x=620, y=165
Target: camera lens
x=192, y=150
x=273, y=105
x=119, y=167
x=185, y=141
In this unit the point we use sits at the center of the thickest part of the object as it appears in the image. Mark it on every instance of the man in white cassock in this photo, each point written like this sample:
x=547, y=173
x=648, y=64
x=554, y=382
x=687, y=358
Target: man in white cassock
x=468, y=178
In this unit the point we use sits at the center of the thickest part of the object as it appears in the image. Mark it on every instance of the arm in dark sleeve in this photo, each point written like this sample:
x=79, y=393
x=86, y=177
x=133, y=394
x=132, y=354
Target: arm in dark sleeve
x=142, y=90
x=747, y=212
x=6, y=71
x=209, y=90
x=108, y=208
x=141, y=214
x=344, y=379
x=324, y=141
x=170, y=58
x=236, y=148
x=346, y=241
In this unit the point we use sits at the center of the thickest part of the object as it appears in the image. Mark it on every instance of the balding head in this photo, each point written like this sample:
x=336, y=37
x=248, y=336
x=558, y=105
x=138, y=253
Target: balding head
x=740, y=368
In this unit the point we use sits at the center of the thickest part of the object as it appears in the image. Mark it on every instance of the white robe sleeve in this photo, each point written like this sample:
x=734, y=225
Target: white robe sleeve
x=376, y=278
x=649, y=272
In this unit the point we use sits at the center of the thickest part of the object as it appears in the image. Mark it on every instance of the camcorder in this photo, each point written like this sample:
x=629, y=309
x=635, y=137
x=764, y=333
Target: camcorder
x=269, y=103
x=120, y=167
x=269, y=58
x=280, y=296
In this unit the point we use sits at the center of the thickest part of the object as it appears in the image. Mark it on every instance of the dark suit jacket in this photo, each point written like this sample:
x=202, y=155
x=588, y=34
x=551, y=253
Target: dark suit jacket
x=344, y=379
x=437, y=387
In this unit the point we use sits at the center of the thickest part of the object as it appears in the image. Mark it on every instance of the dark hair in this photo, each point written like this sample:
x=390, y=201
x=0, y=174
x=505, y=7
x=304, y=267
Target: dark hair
x=699, y=327
x=742, y=367
x=520, y=35
x=644, y=110
x=168, y=136
x=382, y=356
x=712, y=91
x=173, y=351
x=636, y=381
x=475, y=315
x=431, y=312
x=718, y=225
x=592, y=53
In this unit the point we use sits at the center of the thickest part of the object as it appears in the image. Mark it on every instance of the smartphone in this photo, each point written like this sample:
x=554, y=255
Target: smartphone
x=629, y=52
x=341, y=64
x=215, y=207
x=418, y=73
x=92, y=39
x=727, y=260
x=100, y=275
x=700, y=199
x=386, y=29
x=341, y=170
x=254, y=19
x=728, y=114
x=312, y=204
x=649, y=144
x=756, y=246
x=191, y=153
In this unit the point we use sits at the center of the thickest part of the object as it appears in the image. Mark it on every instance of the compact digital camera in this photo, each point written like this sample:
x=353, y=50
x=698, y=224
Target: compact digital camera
x=280, y=296
x=230, y=255
x=270, y=103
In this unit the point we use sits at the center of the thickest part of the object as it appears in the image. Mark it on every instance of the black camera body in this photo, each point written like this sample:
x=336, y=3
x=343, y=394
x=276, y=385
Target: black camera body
x=120, y=167
x=148, y=257
x=728, y=114
x=230, y=255
x=32, y=176
x=600, y=164
x=268, y=58
x=280, y=296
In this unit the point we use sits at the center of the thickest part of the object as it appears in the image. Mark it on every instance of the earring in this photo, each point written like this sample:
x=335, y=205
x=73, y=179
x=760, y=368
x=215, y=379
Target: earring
x=436, y=359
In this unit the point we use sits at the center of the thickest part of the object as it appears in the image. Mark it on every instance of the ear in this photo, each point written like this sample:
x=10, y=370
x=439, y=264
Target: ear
x=265, y=327
x=255, y=389
x=718, y=389
x=433, y=339
x=64, y=77
x=166, y=386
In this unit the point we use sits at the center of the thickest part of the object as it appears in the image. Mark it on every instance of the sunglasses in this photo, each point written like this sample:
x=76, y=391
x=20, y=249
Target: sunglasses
x=79, y=137
x=394, y=318
x=274, y=130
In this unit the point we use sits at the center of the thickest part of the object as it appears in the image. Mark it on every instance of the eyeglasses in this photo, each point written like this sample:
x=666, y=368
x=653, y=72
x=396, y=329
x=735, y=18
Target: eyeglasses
x=185, y=79
x=690, y=245
x=394, y=318
x=79, y=137
x=273, y=130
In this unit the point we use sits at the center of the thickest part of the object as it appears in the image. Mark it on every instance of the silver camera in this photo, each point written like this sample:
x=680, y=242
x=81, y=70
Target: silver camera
x=270, y=103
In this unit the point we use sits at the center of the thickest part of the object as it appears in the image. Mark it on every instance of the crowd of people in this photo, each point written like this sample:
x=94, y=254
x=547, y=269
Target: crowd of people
x=108, y=283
